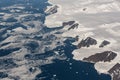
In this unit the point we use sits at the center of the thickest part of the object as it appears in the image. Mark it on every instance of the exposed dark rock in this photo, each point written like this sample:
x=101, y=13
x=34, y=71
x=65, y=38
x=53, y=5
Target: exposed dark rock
x=87, y=42
x=104, y=43
x=105, y=56
x=115, y=72
x=84, y=9
x=52, y=10
x=74, y=26
x=77, y=38
x=68, y=23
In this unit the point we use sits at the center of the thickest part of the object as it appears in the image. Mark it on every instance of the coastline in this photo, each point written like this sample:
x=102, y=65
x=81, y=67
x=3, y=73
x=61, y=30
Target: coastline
x=63, y=15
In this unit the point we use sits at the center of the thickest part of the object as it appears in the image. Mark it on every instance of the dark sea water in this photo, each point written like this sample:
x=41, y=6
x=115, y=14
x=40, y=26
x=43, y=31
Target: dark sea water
x=68, y=69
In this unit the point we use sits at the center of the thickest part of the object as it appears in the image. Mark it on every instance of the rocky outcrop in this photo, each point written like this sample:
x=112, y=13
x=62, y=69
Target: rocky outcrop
x=104, y=43
x=87, y=42
x=105, y=56
x=68, y=23
x=71, y=24
x=74, y=26
x=52, y=10
x=115, y=72
x=77, y=38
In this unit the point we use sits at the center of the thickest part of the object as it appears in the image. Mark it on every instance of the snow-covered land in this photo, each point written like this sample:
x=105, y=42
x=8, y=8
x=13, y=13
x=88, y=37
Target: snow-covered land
x=98, y=19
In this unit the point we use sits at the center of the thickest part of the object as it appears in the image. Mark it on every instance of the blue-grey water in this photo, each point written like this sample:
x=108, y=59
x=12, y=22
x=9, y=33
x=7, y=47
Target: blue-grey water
x=70, y=69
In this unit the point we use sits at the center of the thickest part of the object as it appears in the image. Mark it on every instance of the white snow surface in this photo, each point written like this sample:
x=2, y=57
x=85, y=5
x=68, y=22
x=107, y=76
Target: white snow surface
x=98, y=19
